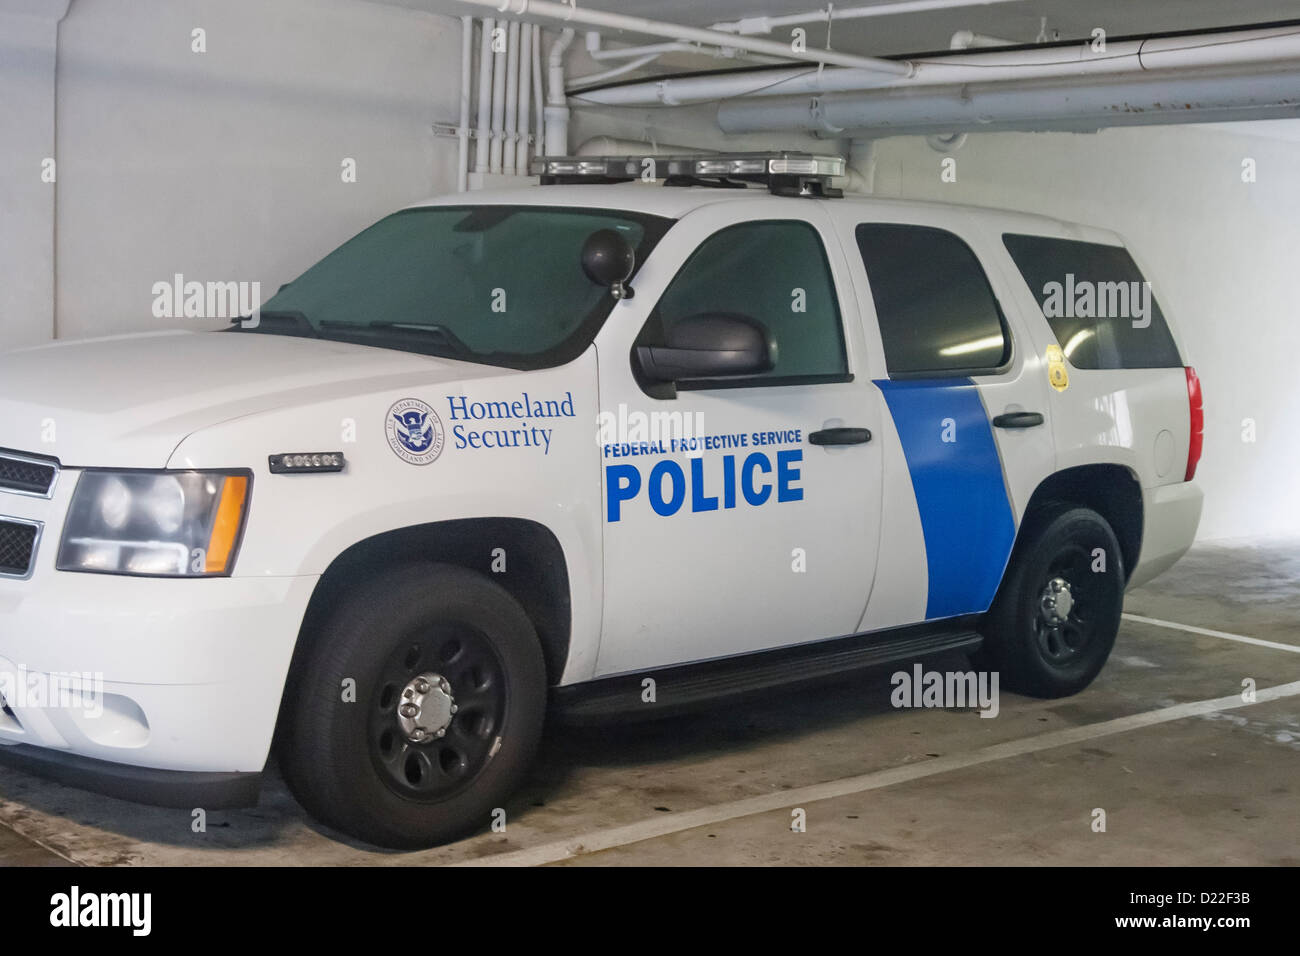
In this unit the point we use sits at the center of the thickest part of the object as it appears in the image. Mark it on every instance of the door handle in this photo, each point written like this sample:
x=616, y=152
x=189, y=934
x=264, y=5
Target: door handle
x=1018, y=420
x=839, y=436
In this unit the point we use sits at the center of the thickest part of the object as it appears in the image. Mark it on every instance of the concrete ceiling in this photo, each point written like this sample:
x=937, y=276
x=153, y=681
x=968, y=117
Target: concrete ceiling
x=931, y=30
x=926, y=31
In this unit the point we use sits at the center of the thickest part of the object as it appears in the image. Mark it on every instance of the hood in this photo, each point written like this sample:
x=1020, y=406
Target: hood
x=129, y=400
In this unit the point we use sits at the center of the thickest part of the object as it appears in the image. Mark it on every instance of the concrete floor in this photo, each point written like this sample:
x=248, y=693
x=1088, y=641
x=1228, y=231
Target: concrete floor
x=1180, y=782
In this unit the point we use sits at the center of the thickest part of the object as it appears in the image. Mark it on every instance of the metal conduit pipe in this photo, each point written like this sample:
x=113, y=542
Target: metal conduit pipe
x=1143, y=99
x=557, y=109
x=769, y=24
x=568, y=13
x=466, y=93
x=512, y=100
x=1226, y=49
x=539, y=112
x=525, y=95
x=498, y=103
x=484, y=97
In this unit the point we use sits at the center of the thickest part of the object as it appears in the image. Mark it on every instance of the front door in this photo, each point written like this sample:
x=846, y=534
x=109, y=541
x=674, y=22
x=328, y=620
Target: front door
x=727, y=528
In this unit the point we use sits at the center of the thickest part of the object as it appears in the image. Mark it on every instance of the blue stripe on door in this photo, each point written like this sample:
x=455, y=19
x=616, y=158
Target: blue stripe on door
x=965, y=515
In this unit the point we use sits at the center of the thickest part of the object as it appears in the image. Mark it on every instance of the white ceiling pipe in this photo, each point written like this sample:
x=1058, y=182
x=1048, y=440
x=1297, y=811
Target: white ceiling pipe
x=555, y=68
x=539, y=113
x=946, y=142
x=599, y=54
x=1140, y=99
x=498, y=104
x=466, y=93
x=616, y=21
x=635, y=52
x=557, y=107
x=965, y=39
x=768, y=24
x=862, y=164
x=613, y=73
x=1226, y=49
x=484, y=97
x=682, y=91
x=525, y=95
x=512, y=100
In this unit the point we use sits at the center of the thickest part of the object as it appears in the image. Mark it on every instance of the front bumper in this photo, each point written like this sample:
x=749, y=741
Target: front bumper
x=157, y=674
x=183, y=789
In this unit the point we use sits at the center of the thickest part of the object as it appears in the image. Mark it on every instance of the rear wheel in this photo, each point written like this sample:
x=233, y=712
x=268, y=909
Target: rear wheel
x=416, y=710
x=1054, y=621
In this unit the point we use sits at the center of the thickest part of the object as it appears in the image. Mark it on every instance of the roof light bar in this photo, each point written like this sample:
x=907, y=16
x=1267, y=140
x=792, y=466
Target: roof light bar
x=785, y=173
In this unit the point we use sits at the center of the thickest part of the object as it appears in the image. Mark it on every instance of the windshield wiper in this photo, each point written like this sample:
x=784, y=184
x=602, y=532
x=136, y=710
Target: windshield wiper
x=407, y=328
x=276, y=322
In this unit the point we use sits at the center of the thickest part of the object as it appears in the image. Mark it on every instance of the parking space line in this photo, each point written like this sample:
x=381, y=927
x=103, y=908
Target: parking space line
x=1191, y=629
x=35, y=840
x=786, y=799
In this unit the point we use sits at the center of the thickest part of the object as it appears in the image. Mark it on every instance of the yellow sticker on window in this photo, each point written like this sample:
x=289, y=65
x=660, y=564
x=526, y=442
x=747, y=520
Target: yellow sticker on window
x=1057, y=373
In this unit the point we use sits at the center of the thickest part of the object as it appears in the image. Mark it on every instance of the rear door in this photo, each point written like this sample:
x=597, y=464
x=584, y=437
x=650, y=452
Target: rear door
x=967, y=402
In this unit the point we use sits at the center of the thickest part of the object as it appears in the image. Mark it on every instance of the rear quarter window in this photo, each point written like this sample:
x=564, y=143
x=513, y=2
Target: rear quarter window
x=936, y=311
x=1097, y=302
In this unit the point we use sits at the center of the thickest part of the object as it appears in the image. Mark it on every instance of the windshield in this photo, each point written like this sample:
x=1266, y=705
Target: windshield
x=502, y=285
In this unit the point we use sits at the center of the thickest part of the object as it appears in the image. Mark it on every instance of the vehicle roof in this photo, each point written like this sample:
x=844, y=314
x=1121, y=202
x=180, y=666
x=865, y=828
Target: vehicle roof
x=675, y=202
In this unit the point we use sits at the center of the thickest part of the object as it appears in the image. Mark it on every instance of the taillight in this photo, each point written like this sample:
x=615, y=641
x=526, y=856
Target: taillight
x=1197, y=436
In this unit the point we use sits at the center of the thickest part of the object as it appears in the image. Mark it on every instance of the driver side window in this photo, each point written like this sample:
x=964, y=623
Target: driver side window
x=775, y=272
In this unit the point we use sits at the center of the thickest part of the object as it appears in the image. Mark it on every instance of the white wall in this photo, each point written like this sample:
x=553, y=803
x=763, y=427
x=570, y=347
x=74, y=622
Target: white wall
x=221, y=166
x=28, y=30
x=1222, y=258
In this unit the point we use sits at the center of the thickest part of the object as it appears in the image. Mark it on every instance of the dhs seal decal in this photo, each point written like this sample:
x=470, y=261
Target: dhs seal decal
x=414, y=431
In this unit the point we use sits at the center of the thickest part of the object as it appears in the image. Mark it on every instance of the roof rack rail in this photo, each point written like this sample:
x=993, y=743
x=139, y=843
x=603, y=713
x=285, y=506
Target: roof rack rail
x=784, y=173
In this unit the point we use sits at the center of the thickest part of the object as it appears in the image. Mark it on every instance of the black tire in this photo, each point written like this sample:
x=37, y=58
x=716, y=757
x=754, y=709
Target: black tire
x=354, y=767
x=1038, y=651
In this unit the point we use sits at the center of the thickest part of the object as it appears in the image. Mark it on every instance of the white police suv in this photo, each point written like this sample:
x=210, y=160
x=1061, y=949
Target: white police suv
x=602, y=445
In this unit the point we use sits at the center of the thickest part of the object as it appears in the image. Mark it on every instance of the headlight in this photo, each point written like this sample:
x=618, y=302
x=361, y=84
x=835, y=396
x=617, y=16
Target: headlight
x=178, y=524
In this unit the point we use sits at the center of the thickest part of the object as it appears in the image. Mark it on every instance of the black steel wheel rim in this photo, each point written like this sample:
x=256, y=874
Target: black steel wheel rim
x=437, y=768
x=1060, y=641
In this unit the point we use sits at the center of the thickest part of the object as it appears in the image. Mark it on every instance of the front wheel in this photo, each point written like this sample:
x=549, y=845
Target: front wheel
x=1055, y=618
x=416, y=709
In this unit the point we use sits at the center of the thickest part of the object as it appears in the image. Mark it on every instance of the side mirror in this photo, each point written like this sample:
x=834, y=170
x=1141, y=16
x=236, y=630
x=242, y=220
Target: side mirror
x=608, y=259
x=709, y=345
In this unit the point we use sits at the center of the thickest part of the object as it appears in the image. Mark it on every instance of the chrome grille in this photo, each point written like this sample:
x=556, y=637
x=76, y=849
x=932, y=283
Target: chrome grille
x=18, y=546
x=26, y=475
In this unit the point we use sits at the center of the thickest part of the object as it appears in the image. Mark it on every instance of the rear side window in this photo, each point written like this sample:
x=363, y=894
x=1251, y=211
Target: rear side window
x=936, y=310
x=1097, y=302
x=772, y=271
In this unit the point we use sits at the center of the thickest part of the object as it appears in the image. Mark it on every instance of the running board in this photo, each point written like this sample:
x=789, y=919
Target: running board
x=694, y=685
